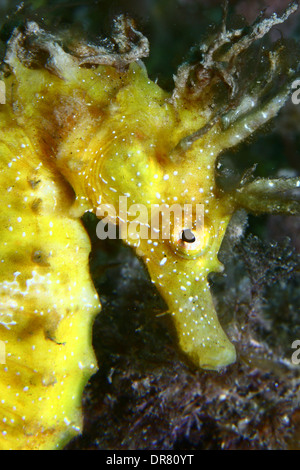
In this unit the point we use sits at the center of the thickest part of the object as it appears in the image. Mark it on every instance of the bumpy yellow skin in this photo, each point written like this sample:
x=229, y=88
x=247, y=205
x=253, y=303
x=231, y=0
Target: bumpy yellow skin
x=47, y=299
x=72, y=138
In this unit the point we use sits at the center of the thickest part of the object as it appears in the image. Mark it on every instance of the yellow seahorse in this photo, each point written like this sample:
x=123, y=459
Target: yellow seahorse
x=84, y=127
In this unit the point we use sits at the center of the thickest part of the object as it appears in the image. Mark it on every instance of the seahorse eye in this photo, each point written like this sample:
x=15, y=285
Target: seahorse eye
x=188, y=236
x=191, y=242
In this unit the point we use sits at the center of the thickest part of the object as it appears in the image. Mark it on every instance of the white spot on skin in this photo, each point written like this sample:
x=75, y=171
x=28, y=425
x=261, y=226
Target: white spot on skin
x=163, y=261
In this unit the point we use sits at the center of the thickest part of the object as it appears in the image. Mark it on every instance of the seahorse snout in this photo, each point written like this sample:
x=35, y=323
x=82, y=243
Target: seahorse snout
x=202, y=337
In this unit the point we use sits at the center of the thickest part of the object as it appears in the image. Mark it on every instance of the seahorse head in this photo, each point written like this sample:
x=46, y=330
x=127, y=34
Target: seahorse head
x=155, y=150
x=159, y=152
x=162, y=193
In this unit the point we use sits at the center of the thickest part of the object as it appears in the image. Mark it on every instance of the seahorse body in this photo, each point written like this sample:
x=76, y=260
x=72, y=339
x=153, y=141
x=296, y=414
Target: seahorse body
x=72, y=138
x=47, y=298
